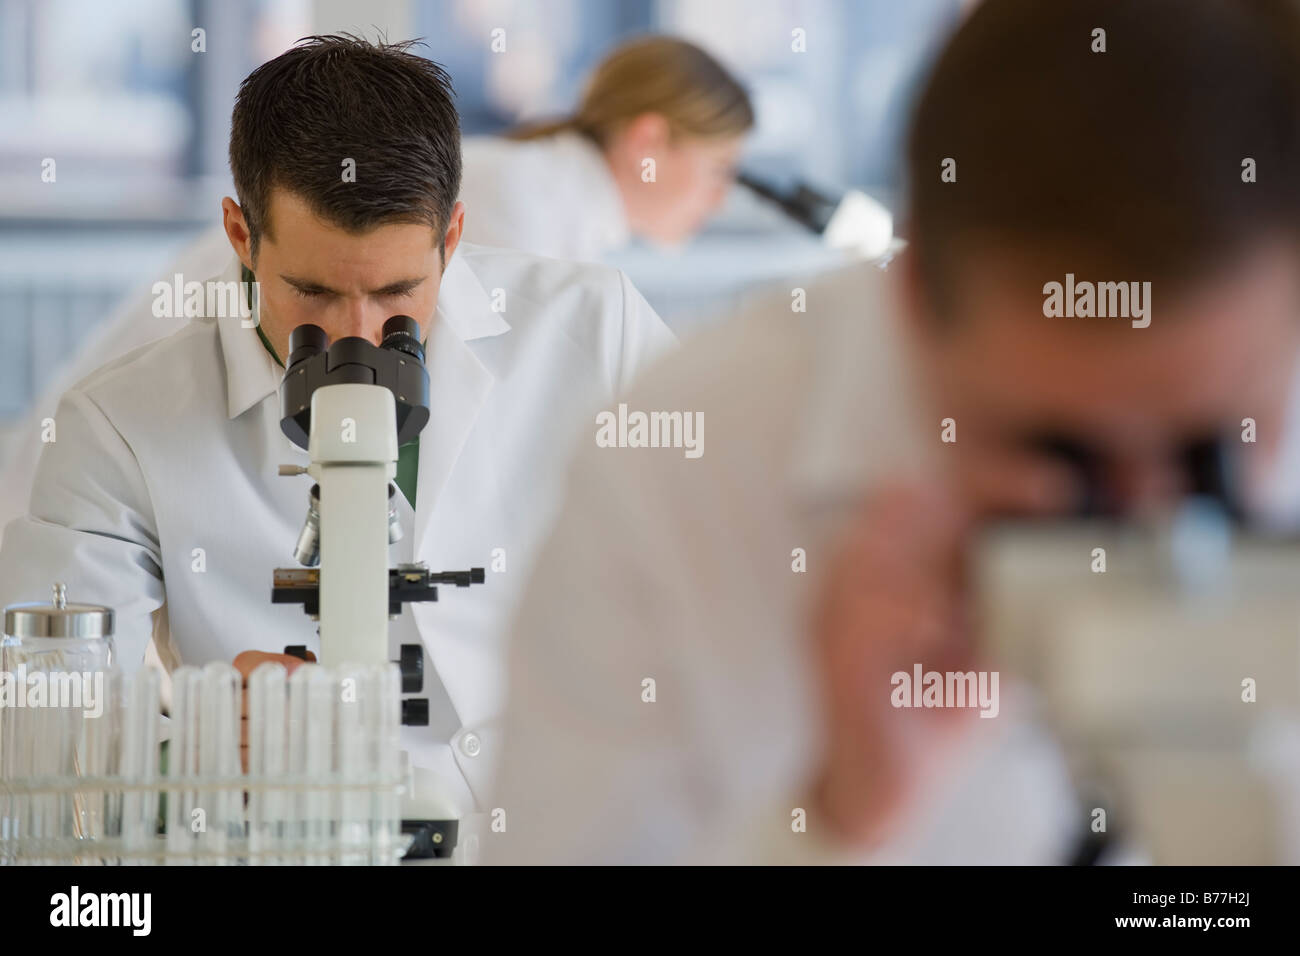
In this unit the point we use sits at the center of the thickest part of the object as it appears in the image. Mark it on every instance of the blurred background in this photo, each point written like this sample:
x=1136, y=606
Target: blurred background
x=138, y=124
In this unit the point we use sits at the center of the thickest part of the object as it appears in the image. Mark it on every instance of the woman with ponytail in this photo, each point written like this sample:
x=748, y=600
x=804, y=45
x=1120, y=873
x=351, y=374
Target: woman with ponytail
x=649, y=152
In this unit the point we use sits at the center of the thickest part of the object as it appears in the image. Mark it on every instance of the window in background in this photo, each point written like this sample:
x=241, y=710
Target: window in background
x=137, y=124
x=549, y=46
x=835, y=113
x=134, y=118
x=96, y=87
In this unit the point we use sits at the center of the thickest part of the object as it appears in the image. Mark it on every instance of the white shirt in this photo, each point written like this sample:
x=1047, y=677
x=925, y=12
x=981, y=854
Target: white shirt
x=162, y=485
x=694, y=590
x=553, y=196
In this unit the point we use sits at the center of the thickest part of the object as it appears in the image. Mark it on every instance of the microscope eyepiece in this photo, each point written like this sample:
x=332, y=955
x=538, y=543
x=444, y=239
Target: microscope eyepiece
x=402, y=334
x=304, y=342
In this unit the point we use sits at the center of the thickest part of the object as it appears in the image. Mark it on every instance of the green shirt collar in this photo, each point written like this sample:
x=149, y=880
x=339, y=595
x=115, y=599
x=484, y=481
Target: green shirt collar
x=248, y=280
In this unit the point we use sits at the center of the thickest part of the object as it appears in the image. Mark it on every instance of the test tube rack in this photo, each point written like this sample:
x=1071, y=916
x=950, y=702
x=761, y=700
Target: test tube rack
x=323, y=784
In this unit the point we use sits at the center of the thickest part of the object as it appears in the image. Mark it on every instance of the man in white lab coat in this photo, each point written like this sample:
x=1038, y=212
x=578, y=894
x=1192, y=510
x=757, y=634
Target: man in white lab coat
x=160, y=495
x=723, y=689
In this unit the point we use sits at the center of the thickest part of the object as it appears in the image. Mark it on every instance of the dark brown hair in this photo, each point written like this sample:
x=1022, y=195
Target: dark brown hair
x=332, y=98
x=1128, y=160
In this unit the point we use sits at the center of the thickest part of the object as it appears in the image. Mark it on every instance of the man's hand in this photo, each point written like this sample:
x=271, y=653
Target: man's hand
x=893, y=598
x=246, y=663
x=896, y=597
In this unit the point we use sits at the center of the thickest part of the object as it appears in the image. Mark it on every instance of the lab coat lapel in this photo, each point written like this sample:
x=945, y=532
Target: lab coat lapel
x=251, y=373
x=459, y=384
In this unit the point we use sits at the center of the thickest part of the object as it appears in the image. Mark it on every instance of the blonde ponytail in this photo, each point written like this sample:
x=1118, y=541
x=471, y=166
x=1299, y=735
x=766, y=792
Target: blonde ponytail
x=655, y=74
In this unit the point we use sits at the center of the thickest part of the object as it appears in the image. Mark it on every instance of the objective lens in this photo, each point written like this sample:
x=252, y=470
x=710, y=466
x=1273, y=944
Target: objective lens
x=307, y=550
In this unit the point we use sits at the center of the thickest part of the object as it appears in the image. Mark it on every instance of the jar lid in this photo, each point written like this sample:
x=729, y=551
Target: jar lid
x=59, y=619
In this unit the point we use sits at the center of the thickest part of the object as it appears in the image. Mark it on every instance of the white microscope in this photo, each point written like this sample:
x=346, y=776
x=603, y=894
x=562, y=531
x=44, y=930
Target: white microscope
x=1165, y=653
x=352, y=405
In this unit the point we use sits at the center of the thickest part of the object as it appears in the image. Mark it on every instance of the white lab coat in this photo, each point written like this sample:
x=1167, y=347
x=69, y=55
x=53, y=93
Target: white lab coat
x=131, y=325
x=694, y=589
x=553, y=196
x=163, y=486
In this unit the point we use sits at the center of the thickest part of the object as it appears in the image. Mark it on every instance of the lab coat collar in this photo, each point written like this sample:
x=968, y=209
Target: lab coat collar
x=464, y=308
x=463, y=303
x=861, y=422
x=459, y=383
x=251, y=373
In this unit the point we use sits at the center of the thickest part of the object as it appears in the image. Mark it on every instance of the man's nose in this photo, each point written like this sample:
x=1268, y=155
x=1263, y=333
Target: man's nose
x=1147, y=484
x=363, y=319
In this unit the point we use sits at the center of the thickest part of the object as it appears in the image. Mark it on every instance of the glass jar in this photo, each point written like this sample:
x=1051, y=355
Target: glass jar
x=55, y=682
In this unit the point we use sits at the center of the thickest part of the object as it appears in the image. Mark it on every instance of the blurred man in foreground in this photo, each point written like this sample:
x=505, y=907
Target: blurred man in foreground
x=1105, y=229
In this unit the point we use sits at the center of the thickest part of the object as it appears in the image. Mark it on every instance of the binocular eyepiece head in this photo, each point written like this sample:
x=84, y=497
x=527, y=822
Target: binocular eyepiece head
x=401, y=334
x=397, y=363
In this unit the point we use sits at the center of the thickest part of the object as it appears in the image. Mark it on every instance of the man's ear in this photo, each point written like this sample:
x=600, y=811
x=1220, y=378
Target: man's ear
x=455, y=229
x=918, y=309
x=241, y=240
